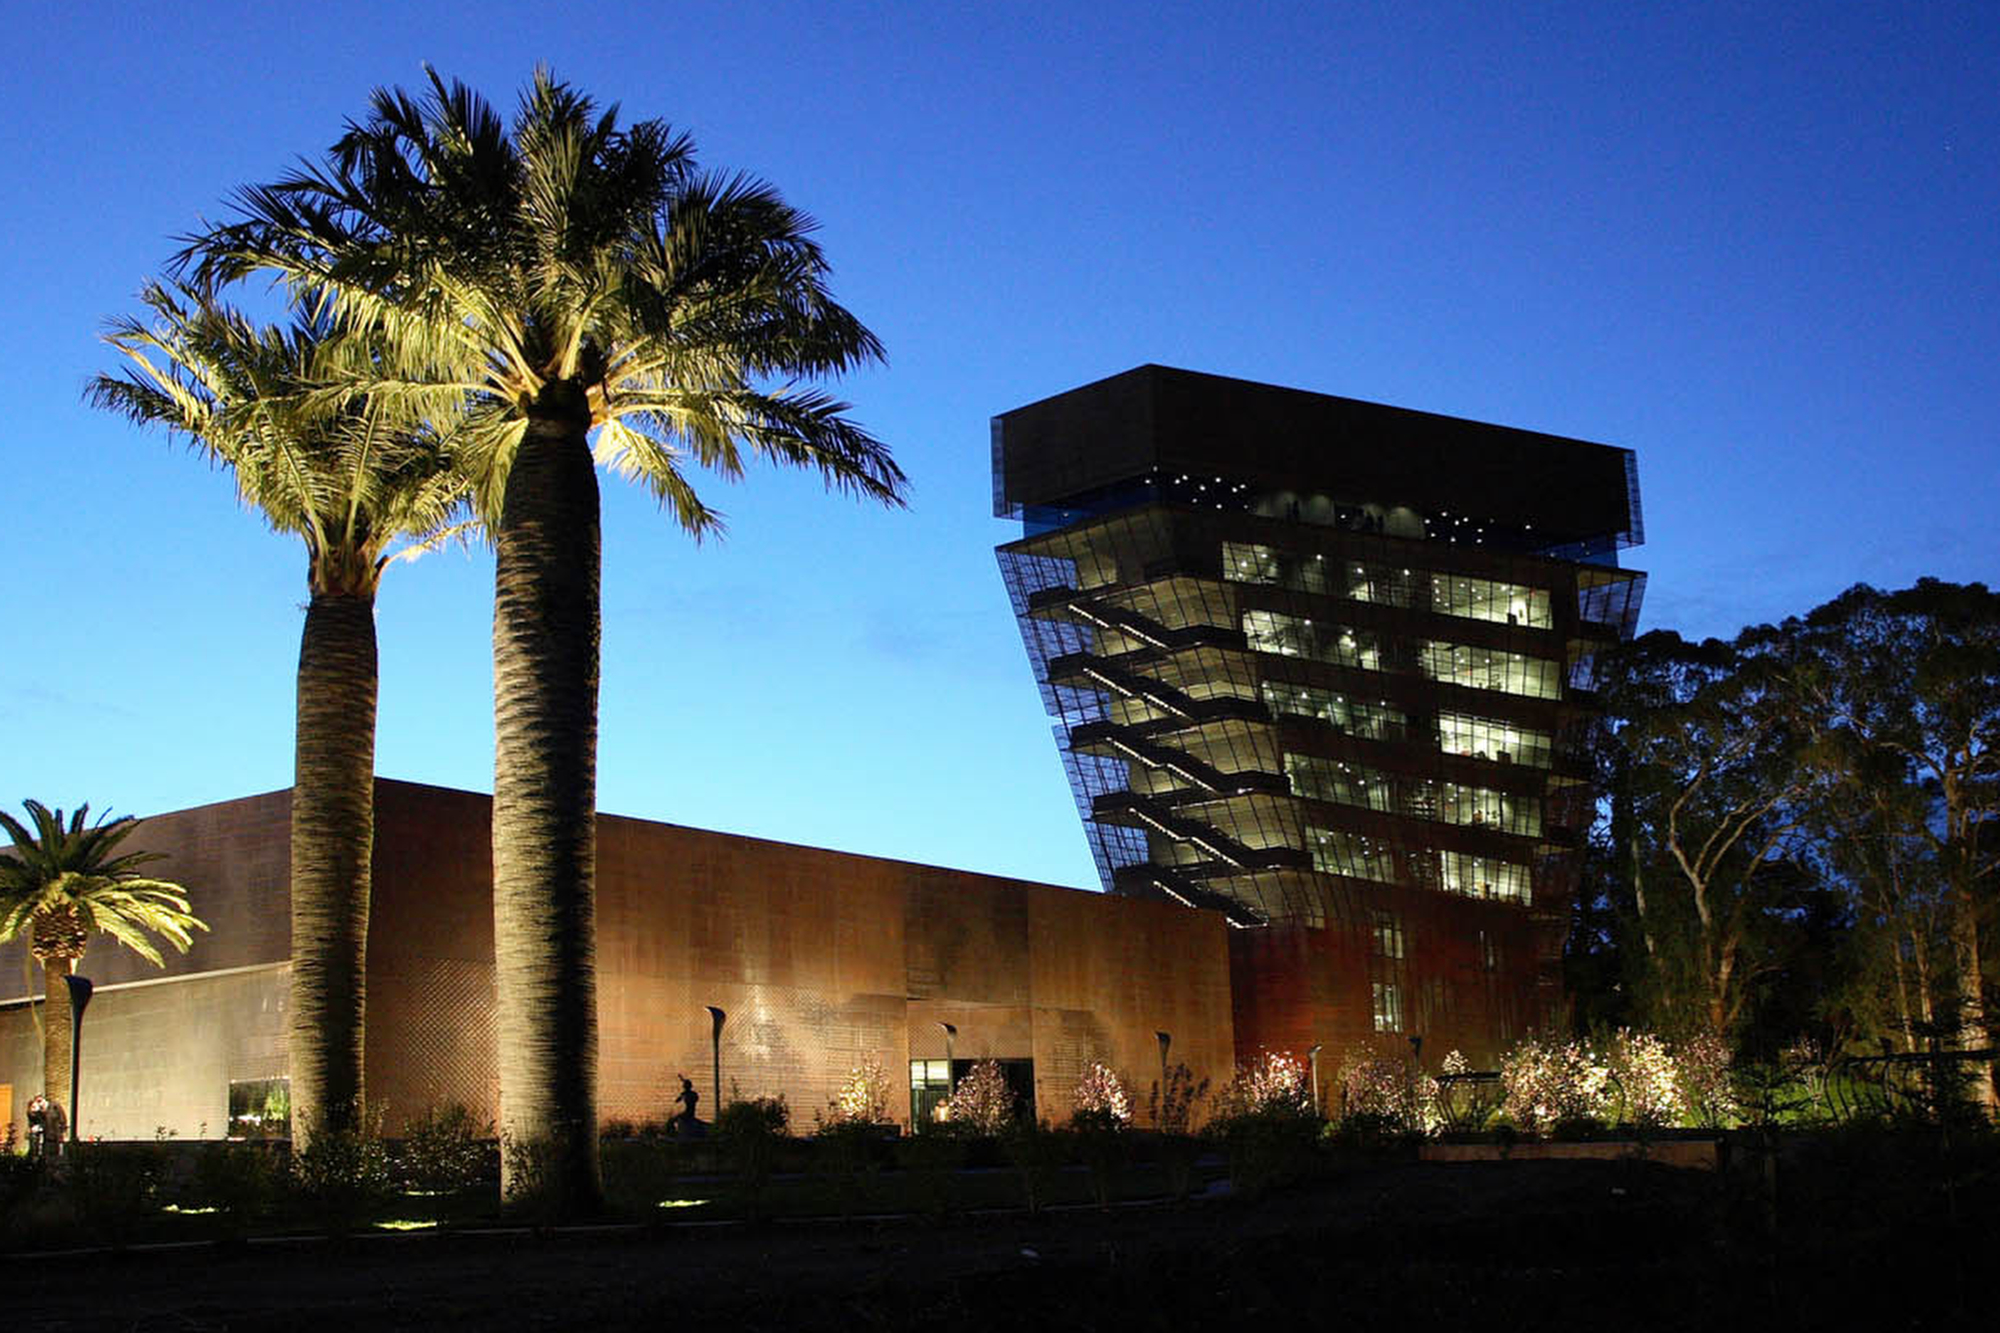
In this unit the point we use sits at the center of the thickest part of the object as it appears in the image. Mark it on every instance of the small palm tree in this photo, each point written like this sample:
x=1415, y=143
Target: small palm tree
x=63, y=883
x=360, y=487
x=568, y=276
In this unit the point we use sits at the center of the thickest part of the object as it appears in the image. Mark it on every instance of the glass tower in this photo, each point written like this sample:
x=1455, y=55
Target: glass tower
x=1326, y=666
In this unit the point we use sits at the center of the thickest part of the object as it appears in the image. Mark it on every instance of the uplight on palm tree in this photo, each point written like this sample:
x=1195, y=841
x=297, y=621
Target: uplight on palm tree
x=360, y=486
x=64, y=882
x=569, y=276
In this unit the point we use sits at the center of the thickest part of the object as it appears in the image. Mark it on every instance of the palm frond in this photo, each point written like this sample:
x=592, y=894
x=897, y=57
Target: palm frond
x=75, y=867
x=324, y=435
x=485, y=261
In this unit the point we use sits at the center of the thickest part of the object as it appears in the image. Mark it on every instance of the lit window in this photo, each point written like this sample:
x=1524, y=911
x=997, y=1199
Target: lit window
x=1388, y=1006
x=1388, y=935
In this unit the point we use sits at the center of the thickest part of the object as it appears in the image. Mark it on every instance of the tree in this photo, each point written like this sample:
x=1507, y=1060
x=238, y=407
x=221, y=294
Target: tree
x=1870, y=830
x=1711, y=762
x=1911, y=681
x=352, y=482
x=569, y=276
x=66, y=882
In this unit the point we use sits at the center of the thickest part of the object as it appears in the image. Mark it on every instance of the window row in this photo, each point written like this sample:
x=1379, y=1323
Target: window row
x=1297, y=636
x=1490, y=738
x=1457, y=733
x=1420, y=798
x=1386, y=585
x=1370, y=721
x=1356, y=856
x=1490, y=669
x=1453, y=663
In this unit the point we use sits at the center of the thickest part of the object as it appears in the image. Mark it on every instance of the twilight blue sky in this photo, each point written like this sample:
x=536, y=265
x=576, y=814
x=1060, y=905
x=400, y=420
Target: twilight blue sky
x=1756, y=242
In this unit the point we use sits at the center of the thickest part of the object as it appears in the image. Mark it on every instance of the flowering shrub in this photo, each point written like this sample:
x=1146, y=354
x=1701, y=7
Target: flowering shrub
x=1100, y=1095
x=981, y=1103
x=1704, y=1062
x=1545, y=1084
x=1266, y=1120
x=1648, y=1080
x=1388, y=1086
x=1274, y=1081
x=863, y=1098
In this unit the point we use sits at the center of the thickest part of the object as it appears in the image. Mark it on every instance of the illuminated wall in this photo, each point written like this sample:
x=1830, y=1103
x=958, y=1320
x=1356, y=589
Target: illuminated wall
x=819, y=958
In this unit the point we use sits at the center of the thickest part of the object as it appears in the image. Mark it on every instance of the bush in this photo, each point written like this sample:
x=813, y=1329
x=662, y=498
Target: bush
x=342, y=1174
x=750, y=1130
x=238, y=1180
x=1100, y=1097
x=1274, y=1080
x=1549, y=1087
x=1704, y=1080
x=982, y=1103
x=1036, y=1153
x=113, y=1188
x=1172, y=1109
x=1267, y=1123
x=20, y=1177
x=1270, y=1146
x=932, y=1157
x=533, y=1170
x=847, y=1151
x=640, y=1172
x=1647, y=1080
x=863, y=1097
x=444, y=1151
x=1385, y=1094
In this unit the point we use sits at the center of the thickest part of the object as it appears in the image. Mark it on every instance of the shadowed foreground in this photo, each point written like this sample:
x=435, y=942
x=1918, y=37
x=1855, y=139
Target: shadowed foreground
x=1554, y=1244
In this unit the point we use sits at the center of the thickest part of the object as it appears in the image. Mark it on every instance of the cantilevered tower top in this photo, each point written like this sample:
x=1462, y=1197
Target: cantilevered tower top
x=1156, y=433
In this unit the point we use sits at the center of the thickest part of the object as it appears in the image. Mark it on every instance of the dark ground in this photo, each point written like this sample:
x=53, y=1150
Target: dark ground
x=1530, y=1245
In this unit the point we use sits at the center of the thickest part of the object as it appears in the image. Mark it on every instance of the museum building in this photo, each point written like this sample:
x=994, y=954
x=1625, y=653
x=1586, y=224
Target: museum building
x=1320, y=673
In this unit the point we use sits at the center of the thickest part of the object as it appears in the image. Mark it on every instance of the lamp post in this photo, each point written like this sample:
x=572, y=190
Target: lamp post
x=717, y=1018
x=950, y=1048
x=79, y=997
x=1312, y=1058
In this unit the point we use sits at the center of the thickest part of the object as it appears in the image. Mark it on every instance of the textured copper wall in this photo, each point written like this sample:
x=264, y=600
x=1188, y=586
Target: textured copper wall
x=1469, y=978
x=820, y=959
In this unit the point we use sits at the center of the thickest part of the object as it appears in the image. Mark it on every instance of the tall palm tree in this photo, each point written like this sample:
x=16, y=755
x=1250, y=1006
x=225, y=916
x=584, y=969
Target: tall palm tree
x=65, y=882
x=570, y=276
x=352, y=483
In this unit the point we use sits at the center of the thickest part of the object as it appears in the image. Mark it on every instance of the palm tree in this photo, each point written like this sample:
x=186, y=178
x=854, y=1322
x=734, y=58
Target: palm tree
x=65, y=882
x=351, y=483
x=570, y=276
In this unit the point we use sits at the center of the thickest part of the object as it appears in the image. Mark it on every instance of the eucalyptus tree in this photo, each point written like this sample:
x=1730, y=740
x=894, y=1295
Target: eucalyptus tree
x=1711, y=757
x=572, y=277
x=1911, y=679
x=65, y=881
x=360, y=487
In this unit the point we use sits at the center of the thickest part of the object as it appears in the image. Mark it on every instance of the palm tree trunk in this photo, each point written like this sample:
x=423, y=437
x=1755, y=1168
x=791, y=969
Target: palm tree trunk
x=545, y=655
x=55, y=1042
x=333, y=836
